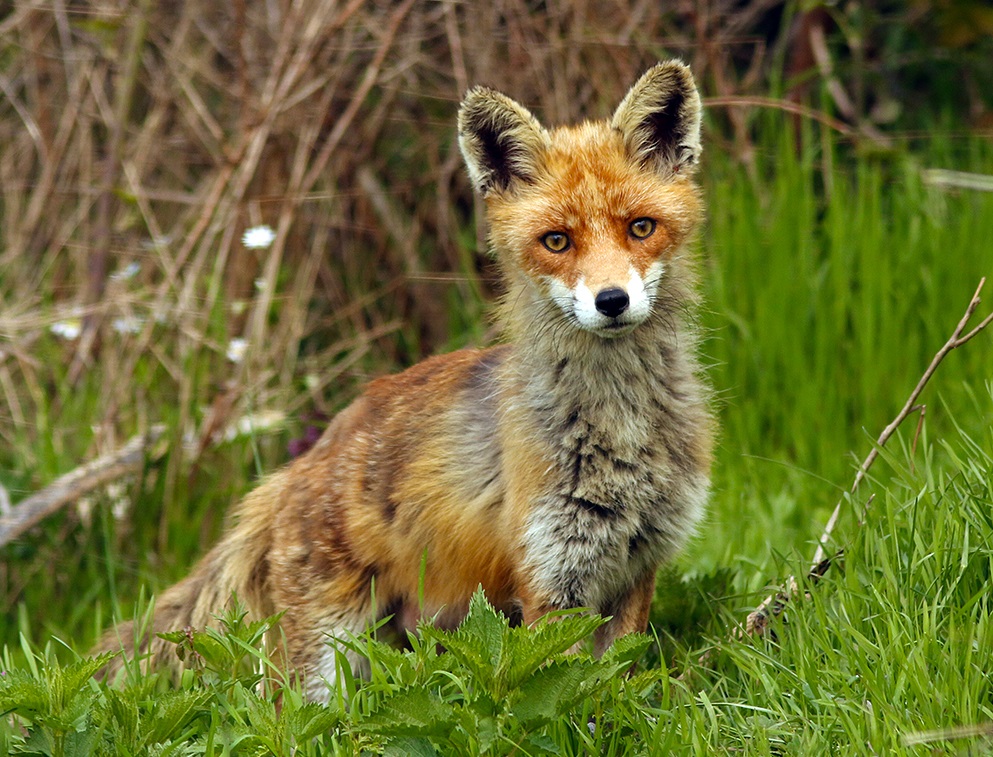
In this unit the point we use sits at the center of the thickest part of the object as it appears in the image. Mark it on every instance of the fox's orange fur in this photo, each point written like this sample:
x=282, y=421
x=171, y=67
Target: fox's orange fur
x=557, y=470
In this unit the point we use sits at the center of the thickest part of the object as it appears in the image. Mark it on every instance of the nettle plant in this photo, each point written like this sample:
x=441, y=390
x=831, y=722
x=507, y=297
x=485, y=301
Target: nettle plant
x=487, y=687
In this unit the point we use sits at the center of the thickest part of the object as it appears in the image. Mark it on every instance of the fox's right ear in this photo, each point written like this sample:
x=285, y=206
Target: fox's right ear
x=501, y=141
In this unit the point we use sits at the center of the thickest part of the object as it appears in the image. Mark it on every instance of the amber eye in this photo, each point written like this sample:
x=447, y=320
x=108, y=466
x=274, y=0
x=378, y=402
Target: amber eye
x=642, y=228
x=556, y=241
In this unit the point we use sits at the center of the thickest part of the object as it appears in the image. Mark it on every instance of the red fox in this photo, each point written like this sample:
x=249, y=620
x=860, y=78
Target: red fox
x=557, y=470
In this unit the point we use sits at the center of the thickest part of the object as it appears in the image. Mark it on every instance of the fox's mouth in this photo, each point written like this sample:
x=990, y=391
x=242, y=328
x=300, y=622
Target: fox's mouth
x=616, y=328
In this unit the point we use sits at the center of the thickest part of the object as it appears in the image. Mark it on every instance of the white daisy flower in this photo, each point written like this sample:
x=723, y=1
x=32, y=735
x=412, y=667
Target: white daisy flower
x=258, y=237
x=236, y=349
x=69, y=329
x=128, y=272
x=128, y=325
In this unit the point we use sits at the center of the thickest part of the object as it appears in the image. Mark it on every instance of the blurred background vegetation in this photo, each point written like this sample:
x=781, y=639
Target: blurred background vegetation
x=140, y=140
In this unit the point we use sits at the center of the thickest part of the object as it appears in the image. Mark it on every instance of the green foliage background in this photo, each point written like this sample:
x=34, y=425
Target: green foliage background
x=833, y=265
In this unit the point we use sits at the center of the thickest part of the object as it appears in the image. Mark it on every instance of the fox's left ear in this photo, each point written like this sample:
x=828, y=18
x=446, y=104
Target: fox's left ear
x=659, y=119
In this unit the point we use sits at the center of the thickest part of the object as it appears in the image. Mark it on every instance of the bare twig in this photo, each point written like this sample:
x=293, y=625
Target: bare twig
x=977, y=730
x=785, y=105
x=76, y=483
x=940, y=177
x=774, y=604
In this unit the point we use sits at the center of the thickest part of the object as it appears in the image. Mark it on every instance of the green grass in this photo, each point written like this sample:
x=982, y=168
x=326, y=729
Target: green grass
x=828, y=291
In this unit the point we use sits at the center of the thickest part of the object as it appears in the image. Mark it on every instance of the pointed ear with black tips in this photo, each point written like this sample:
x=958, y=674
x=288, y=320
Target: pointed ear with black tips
x=501, y=141
x=659, y=119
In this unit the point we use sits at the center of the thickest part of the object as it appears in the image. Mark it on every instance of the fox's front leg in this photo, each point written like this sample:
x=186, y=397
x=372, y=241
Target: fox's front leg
x=630, y=615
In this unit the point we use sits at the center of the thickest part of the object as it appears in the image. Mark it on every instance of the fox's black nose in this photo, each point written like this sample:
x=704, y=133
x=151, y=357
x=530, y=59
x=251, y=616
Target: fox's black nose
x=612, y=302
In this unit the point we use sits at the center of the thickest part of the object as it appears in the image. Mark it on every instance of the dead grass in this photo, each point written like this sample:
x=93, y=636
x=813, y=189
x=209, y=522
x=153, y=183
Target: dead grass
x=143, y=138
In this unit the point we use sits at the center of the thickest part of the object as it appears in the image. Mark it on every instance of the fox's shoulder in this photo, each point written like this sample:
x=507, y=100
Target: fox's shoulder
x=439, y=378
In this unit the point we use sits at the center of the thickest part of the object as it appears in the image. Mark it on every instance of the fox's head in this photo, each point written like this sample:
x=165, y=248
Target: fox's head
x=591, y=217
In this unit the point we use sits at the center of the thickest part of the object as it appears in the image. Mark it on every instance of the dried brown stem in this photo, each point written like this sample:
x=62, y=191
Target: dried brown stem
x=73, y=485
x=731, y=101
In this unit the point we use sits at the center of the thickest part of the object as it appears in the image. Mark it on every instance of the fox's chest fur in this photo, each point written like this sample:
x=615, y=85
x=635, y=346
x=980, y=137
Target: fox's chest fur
x=625, y=434
x=556, y=471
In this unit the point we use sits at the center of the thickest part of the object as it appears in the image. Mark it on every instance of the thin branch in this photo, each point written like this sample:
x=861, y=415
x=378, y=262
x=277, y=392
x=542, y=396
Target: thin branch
x=785, y=105
x=76, y=483
x=773, y=605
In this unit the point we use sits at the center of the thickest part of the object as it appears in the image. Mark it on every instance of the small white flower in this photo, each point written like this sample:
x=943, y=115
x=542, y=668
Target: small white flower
x=84, y=506
x=127, y=272
x=258, y=237
x=120, y=501
x=155, y=244
x=236, y=349
x=130, y=324
x=260, y=284
x=69, y=329
x=256, y=423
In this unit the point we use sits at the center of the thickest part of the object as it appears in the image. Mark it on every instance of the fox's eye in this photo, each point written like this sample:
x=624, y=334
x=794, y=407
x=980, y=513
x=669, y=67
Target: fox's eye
x=556, y=241
x=642, y=228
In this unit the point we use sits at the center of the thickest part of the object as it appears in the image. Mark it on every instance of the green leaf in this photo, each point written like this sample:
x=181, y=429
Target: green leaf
x=262, y=717
x=486, y=626
x=173, y=711
x=412, y=713
x=541, y=743
x=478, y=643
x=124, y=713
x=310, y=721
x=82, y=743
x=410, y=747
x=530, y=648
x=24, y=694
x=76, y=675
x=553, y=689
x=627, y=650
x=38, y=742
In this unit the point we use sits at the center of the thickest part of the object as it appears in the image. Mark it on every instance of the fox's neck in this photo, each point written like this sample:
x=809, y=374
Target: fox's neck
x=611, y=390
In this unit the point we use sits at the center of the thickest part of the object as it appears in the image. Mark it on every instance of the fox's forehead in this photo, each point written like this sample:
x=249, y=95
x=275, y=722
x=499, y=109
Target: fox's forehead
x=587, y=171
x=587, y=178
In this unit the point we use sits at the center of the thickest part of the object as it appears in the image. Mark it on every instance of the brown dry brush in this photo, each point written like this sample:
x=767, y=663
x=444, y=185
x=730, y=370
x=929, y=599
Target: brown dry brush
x=156, y=133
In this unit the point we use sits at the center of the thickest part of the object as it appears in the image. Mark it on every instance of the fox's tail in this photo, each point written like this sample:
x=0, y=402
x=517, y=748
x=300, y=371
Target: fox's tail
x=236, y=567
x=190, y=603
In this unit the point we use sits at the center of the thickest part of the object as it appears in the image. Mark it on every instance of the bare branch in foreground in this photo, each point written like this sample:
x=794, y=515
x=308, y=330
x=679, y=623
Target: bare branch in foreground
x=977, y=730
x=70, y=487
x=773, y=605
